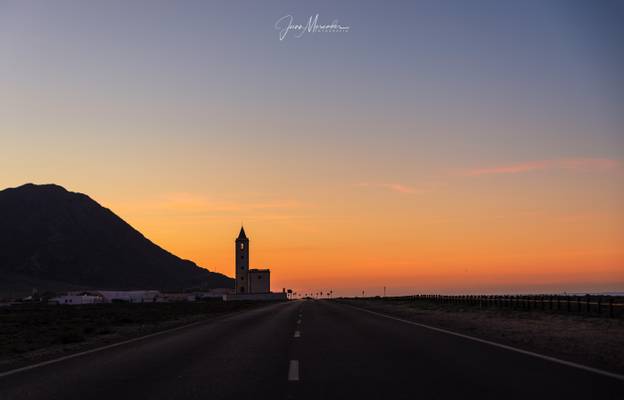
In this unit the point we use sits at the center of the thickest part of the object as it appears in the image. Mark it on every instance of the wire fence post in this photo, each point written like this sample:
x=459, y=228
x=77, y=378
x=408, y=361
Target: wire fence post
x=568, y=300
x=599, y=305
x=610, y=307
x=578, y=303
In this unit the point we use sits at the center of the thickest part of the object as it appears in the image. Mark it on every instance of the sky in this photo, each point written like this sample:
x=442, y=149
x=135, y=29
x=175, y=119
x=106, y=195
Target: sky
x=431, y=147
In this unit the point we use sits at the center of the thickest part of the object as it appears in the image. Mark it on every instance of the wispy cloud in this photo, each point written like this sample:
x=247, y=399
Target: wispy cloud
x=395, y=187
x=191, y=203
x=580, y=164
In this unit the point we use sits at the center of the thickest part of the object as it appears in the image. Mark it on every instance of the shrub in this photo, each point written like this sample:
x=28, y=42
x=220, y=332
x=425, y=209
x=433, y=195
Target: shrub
x=71, y=337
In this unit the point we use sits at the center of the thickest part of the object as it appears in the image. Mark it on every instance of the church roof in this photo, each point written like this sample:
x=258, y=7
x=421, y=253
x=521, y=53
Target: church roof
x=242, y=235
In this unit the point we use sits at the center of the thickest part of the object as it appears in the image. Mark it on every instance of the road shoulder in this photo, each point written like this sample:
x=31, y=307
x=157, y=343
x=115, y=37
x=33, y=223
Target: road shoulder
x=595, y=342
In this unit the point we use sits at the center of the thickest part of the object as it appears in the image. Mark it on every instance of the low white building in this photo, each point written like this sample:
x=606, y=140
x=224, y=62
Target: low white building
x=130, y=296
x=175, y=297
x=272, y=296
x=75, y=299
x=216, y=293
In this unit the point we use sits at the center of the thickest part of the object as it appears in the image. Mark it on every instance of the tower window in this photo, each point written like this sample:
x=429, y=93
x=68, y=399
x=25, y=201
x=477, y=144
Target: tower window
x=242, y=246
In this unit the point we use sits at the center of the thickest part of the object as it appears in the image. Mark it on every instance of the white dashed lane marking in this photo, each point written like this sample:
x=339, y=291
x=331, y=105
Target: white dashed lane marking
x=293, y=370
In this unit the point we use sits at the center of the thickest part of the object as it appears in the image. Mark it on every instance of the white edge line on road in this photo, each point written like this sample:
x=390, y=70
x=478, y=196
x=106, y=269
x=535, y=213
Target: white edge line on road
x=293, y=370
x=297, y=334
x=503, y=346
x=110, y=346
x=82, y=353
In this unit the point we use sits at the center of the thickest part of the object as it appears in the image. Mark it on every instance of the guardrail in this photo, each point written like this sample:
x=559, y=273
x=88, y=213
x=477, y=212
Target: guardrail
x=597, y=305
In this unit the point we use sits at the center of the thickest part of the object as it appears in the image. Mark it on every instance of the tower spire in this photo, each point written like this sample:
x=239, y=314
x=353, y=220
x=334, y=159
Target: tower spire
x=242, y=235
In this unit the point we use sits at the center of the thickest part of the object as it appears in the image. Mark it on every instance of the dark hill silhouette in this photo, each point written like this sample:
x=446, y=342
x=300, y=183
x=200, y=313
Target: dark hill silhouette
x=50, y=235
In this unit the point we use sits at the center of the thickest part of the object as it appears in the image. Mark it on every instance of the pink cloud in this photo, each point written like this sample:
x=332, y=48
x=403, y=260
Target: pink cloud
x=580, y=164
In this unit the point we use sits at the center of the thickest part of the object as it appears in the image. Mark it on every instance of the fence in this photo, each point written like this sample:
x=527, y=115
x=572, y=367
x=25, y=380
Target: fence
x=597, y=305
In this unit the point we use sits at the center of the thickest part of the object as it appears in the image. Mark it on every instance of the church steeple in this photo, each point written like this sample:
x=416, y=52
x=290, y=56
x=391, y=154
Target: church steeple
x=242, y=262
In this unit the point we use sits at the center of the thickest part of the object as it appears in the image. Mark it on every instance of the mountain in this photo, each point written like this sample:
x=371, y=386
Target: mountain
x=55, y=239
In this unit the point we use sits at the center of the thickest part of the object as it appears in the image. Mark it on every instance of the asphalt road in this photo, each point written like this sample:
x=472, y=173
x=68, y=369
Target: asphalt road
x=307, y=350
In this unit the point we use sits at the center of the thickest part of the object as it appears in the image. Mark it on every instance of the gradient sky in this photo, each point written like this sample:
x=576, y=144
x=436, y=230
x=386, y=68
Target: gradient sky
x=438, y=146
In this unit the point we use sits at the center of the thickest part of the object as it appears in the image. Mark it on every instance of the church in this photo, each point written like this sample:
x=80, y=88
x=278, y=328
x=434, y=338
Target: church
x=249, y=281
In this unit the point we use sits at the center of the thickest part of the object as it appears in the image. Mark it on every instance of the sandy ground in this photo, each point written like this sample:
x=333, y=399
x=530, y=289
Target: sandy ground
x=593, y=341
x=29, y=327
x=120, y=334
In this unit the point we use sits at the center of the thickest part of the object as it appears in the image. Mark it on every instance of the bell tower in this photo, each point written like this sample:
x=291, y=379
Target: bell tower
x=242, y=262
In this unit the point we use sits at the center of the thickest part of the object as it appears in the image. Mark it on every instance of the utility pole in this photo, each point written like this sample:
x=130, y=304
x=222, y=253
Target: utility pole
x=384, y=291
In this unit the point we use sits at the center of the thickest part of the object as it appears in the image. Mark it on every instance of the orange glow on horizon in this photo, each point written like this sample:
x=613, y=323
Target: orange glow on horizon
x=459, y=238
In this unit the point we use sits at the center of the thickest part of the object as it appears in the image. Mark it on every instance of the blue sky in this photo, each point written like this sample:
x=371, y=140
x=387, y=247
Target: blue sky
x=135, y=101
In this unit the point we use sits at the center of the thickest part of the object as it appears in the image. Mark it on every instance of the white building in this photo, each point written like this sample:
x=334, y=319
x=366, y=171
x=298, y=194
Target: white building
x=259, y=280
x=249, y=281
x=251, y=284
x=216, y=293
x=76, y=299
x=176, y=297
x=129, y=296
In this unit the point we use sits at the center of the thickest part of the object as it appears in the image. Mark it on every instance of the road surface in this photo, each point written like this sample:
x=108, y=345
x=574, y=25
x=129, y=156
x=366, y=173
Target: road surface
x=307, y=350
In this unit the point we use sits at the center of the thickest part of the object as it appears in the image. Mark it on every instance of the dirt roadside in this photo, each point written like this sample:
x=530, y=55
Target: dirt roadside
x=592, y=341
